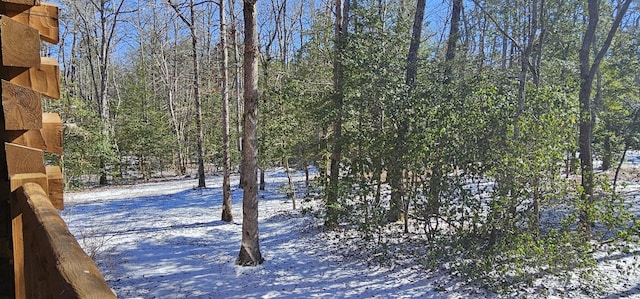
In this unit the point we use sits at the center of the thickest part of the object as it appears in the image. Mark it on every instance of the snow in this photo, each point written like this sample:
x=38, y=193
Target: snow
x=165, y=240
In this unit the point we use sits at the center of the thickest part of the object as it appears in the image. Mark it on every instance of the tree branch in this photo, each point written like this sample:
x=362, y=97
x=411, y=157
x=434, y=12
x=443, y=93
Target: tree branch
x=607, y=43
x=179, y=12
x=502, y=31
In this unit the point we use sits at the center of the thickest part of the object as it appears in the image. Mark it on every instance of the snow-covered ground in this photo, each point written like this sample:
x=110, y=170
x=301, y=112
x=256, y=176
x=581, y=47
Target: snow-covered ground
x=165, y=240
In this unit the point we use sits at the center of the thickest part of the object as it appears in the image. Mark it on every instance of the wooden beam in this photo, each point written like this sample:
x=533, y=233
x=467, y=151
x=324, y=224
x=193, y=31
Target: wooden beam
x=20, y=44
x=29, y=138
x=44, y=79
x=52, y=253
x=20, y=179
x=52, y=133
x=22, y=159
x=22, y=2
x=20, y=286
x=43, y=17
x=22, y=107
x=48, y=139
x=56, y=186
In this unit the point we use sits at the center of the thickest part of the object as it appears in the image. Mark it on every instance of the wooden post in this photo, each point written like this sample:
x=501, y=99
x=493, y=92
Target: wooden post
x=38, y=256
x=56, y=186
x=64, y=270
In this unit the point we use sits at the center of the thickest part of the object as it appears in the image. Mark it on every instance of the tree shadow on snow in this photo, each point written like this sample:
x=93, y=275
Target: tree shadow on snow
x=170, y=246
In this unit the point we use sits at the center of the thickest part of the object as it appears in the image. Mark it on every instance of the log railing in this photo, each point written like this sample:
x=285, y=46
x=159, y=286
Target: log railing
x=48, y=261
x=39, y=258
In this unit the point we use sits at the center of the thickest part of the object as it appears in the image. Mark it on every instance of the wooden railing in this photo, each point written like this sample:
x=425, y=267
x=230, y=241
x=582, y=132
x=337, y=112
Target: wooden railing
x=39, y=258
x=48, y=261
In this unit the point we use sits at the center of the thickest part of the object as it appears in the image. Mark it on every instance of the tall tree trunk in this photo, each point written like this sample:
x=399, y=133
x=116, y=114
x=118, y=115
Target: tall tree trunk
x=416, y=34
x=397, y=163
x=196, y=95
x=452, y=42
x=341, y=26
x=191, y=23
x=226, y=161
x=108, y=19
x=588, y=70
x=250, y=249
x=291, y=193
x=237, y=82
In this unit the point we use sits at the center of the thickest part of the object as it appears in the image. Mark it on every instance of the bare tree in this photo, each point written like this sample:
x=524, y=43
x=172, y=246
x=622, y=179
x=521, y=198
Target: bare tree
x=97, y=21
x=191, y=23
x=250, y=248
x=226, y=162
x=341, y=29
x=236, y=80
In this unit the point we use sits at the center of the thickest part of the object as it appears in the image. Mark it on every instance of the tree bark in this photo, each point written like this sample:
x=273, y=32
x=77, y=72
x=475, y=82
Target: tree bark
x=341, y=26
x=397, y=163
x=588, y=70
x=250, y=248
x=452, y=42
x=196, y=95
x=226, y=161
x=237, y=83
x=196, y=85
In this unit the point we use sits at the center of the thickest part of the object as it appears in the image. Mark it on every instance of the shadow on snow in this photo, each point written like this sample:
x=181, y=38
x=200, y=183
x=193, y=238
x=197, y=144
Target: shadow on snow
x=172, y=245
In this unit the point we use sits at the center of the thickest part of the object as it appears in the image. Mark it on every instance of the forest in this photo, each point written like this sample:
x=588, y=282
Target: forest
x=489, y=137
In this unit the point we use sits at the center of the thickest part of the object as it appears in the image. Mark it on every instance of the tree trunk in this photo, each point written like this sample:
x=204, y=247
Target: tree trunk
x=237, y=83
x=250, y=248
x=607, y=154
x=397, y=163
x=452, y=42
x=291, y=193
x=587, y=74
x=624, y=155
x=196, y=85
x=263, y=184
x=306, y=174
x=226, y=162
x=196, y=95
x=341, y=26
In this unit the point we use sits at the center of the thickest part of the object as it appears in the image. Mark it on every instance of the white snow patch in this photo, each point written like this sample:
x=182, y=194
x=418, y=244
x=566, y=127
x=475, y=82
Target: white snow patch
x=165, y=240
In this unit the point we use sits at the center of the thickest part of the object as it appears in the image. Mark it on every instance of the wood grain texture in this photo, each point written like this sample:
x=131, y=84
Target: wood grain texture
x=22, y=159
x=48, y=139
x=55, y=264
x=18, y=258
x=44, y=79
x=22, y=107
x=22, y=2
x=20, y=44
x=56, y=186
x=52, y=133
x=29, y=138
x=20, y=179
x=43, y=17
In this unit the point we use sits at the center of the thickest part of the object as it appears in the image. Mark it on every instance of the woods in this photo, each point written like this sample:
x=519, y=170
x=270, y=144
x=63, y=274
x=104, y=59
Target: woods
x=491, y=131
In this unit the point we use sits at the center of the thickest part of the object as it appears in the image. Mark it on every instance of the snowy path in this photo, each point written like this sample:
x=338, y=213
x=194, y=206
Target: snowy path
x=164, y=240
